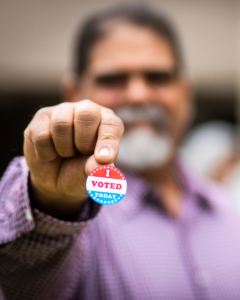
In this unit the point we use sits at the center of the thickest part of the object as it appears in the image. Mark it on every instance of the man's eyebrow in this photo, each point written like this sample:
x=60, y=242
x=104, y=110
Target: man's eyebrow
x=108, y=77
x=111, y=74
x=161, y=70
x=144, y=71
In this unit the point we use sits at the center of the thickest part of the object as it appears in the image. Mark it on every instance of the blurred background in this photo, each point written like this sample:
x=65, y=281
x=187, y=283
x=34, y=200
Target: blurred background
x=36, y=39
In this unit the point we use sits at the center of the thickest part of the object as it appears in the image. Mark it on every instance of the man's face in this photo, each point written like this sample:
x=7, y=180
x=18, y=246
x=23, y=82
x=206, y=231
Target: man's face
x=133, y=67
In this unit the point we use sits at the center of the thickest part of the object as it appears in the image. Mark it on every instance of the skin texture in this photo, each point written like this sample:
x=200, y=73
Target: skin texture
x=62, y=142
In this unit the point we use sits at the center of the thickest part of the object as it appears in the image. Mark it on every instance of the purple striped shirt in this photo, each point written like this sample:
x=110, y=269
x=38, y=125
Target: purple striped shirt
x=130, y=250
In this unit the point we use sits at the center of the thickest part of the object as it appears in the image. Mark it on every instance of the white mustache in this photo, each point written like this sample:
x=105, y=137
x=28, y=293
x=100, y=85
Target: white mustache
x=143, y=149
x=150, y=113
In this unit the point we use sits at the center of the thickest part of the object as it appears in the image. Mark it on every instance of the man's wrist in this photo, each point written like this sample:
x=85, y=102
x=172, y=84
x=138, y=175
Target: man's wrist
x=56, y=205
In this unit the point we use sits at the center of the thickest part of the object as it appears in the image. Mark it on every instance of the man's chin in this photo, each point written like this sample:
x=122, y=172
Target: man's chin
x=143, y=150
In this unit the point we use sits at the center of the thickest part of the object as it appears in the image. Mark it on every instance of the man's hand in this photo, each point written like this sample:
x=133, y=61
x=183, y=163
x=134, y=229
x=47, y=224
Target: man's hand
x=62, y=145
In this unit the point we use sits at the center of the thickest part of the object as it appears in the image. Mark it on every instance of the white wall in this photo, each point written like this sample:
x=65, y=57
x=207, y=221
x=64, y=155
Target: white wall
x=36, y=38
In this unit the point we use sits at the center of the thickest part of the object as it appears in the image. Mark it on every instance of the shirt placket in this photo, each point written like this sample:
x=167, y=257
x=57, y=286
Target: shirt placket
x=198, y=277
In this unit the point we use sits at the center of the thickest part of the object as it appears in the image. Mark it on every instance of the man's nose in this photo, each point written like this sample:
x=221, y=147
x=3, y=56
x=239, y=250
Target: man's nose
x=137, y=90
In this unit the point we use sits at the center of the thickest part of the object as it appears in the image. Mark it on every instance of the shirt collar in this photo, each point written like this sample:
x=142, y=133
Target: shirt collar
x=140, y=192
x=197, y=188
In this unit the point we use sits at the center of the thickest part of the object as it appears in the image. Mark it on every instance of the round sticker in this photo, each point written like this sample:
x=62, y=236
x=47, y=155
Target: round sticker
x=106, y=185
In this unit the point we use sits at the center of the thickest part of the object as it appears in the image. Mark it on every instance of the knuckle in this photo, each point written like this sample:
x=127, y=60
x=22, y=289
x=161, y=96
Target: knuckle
x=108, y=136
x=42, y=111
x=63, y=106
x=61, y=127
x=87, y=116
x=115, y=124
x=87, y=102
x=66, y=152
x=86, y=148
x=26, y=132
x=107, y=110
x=42, y=139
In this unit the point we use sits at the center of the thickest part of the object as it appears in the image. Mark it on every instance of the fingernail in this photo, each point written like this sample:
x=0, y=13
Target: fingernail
x=104, y=152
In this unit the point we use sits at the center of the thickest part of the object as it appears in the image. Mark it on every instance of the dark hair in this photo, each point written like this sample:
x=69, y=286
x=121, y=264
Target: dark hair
x=94, y=29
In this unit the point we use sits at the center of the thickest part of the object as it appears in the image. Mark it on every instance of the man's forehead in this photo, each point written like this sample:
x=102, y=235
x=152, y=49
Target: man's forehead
x=129, y=47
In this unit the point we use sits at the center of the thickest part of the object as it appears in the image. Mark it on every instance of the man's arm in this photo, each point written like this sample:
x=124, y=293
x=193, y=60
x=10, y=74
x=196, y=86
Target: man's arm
x=40, y=252
x=37, y=252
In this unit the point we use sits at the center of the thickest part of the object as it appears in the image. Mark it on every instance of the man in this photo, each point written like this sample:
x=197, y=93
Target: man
x=171, y=237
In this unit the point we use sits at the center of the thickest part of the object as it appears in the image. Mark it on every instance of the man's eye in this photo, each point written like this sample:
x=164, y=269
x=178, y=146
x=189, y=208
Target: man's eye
x=160, y=78
x=111, y=81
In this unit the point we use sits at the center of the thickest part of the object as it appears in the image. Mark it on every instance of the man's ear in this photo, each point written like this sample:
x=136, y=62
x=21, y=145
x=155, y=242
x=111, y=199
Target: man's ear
x=70, y=87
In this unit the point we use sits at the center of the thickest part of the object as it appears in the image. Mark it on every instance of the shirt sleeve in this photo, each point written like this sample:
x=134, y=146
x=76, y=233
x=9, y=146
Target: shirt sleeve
x=30, y=239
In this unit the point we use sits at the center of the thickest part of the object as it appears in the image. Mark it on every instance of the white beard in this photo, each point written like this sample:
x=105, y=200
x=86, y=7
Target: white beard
x=144, y=149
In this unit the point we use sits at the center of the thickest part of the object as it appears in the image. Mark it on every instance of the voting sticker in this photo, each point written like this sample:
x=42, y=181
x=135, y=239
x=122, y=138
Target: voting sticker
x=106, y=185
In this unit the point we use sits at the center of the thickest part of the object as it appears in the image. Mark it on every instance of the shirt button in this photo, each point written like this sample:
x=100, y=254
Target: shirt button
x=203, y=278
x=28, y=215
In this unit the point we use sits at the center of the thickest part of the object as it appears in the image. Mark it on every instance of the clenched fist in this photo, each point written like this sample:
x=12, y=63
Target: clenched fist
x=62, y=145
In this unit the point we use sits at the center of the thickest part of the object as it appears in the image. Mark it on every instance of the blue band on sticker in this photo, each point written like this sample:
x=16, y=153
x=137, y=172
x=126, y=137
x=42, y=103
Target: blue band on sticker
x=105, y=198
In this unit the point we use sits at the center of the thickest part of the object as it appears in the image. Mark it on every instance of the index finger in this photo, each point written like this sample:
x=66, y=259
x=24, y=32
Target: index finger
x=110, y=132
